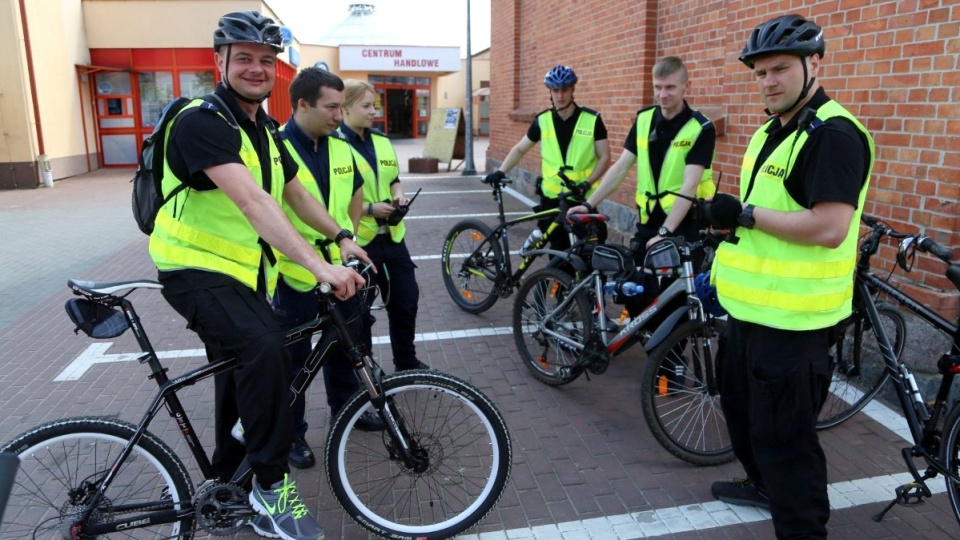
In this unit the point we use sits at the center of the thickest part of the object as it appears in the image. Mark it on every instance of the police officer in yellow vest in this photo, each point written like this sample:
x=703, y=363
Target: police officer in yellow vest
x=573, y=139
x=213, y=247
x=672, y=145
x=382, y=194
x=788, y=279
x=329, y=174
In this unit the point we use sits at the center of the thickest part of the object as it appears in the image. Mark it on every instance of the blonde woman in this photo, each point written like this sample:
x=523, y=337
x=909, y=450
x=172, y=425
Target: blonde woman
x=382, y=193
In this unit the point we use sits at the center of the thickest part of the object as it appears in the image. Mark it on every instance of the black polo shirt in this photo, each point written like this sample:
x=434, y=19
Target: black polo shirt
x=831, y=167
x=662, y=133
x=316, y=156
x=565, y=128
x=201, y=139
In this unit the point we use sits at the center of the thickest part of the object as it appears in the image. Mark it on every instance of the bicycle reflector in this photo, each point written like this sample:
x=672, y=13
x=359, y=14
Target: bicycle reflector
x=707, y=294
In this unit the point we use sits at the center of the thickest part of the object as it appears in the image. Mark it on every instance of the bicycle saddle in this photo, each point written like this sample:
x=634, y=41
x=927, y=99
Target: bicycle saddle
x=101, y=288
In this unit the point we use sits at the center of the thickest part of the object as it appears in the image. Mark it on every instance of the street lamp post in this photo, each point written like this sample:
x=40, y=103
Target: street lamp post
x=468, y=167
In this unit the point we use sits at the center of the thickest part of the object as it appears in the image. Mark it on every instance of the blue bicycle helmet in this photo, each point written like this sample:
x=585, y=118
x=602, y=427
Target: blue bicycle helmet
x=560, y=77
x=248, y=27
x=707, y=294
x=788, y=34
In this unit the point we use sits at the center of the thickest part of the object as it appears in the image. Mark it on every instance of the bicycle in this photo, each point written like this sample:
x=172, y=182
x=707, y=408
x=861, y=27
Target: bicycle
x=561, y=333
x=934, y=429
x=858, y=372
x=438, y=468
x=476, y=262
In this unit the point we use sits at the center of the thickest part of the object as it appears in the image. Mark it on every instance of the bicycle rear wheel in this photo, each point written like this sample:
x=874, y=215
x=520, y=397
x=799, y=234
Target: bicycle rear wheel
x=860, y=371
x=549, y=359
x=62, y=464
x=470, y=263
x=679, y=405
x=950, y=456
x=458, y=432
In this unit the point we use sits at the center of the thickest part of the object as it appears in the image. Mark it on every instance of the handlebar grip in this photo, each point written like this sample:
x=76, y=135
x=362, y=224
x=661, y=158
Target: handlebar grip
x=928, y=245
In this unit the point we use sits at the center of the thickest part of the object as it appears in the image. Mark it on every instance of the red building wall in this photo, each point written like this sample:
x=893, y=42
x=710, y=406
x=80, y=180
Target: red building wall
x=892, y=63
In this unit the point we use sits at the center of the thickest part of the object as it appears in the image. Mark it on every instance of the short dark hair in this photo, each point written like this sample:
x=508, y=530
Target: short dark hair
x=308, y=85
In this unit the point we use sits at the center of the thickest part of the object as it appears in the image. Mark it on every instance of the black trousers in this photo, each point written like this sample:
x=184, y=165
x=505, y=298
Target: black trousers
x=232, y=319
x=397, y=280
x=772, y=385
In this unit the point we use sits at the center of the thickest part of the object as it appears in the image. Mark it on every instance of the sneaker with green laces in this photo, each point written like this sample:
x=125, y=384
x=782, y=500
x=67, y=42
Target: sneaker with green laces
x=290, y=518
x=263, y=526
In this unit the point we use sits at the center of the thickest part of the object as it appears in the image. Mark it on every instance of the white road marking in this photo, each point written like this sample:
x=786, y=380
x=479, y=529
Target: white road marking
x=462, y=216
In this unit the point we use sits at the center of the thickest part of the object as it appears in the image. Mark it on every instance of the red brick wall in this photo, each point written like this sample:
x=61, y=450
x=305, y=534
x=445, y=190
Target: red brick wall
x=893, y=64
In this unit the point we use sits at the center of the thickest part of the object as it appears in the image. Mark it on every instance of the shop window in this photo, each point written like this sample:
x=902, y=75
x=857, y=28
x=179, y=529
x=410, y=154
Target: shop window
x=156, y=90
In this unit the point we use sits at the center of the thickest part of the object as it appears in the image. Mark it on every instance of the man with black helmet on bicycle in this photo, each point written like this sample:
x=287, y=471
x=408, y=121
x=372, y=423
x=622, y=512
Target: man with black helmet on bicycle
x=573, y=140
x=213, y=247
x=788, y=279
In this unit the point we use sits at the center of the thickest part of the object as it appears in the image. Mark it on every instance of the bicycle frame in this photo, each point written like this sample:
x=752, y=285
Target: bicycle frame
x=167, y=396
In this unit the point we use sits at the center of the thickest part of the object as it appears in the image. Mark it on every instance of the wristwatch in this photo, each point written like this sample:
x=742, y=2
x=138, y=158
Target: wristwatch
x=370, y=209
x=665, y=232
x=342, y=235
x=745, y=219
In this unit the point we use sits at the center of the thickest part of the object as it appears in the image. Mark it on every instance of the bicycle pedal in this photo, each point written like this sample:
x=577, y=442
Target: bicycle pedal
x=910, y=495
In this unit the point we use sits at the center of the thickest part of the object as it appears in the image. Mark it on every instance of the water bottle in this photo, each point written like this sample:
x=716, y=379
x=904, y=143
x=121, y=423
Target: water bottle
x=631, y=289
x=535, y=236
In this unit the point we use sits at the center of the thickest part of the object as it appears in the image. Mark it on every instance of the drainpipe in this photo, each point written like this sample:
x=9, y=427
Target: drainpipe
x=31, y=75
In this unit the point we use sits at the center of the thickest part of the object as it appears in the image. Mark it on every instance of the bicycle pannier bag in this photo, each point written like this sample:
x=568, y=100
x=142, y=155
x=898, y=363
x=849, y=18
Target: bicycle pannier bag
x=612, y=259
x=96, y=320
x=663, y=255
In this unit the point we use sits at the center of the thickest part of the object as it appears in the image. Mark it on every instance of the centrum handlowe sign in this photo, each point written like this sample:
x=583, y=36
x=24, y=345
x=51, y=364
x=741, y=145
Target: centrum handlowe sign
x=398, y=58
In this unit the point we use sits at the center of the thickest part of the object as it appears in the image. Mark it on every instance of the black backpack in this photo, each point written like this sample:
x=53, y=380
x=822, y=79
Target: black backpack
x=147, y=192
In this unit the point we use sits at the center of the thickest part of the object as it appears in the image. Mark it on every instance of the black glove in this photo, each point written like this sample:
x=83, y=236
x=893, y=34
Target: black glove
x=722, y=212
x=495, y=177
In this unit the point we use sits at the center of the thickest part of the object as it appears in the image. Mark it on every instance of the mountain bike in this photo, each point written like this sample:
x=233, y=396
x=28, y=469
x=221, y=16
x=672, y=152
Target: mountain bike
x=561, y=333
x=859, y=373
x=440, y=465
x=477, y=270
x=934, y=428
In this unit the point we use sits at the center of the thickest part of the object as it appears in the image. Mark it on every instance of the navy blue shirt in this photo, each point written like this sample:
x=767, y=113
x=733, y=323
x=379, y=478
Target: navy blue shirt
x=317, y=157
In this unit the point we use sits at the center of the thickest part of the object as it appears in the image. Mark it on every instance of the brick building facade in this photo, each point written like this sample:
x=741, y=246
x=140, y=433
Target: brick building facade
x=892, y=63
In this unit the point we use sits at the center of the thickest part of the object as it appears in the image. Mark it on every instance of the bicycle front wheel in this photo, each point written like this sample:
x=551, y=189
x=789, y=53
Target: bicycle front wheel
x=471, y=259
x=679, y=396
x=63, y=463
x=860, y=371
x=950, y=456
x=550, y=359
x=460, y=439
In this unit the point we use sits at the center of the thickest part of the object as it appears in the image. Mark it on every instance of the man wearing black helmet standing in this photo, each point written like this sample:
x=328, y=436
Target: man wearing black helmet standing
x=213, y=247
x=789, y=278
x=573, y=139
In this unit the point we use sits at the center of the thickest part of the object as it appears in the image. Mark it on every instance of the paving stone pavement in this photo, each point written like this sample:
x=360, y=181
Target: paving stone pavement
x=585, y=465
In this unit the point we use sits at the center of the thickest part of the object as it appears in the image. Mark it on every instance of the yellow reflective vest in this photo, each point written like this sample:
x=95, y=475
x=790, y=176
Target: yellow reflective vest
x=581, y=153
x=206, y=230
x=338, y=206
x=674, y=162
x=376, y=187
x=765, y=280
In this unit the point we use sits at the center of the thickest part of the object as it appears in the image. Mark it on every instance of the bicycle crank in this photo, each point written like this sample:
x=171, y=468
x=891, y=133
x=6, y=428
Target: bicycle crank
x=595, y=357
x=221, y=508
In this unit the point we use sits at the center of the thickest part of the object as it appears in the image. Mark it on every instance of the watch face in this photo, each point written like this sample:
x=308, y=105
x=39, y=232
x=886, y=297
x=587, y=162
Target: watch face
x=663, y=231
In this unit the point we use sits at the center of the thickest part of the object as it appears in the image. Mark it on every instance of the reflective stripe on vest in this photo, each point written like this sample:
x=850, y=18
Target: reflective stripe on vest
x=209, y=232
x=671, y=172
x=776, y=283
x=376, y=188
x=581, y=153
x=338, y=206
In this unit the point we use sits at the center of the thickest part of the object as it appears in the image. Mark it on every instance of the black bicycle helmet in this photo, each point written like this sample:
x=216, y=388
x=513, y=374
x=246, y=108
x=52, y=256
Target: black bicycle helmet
x=560, y=77
x=788, y=34
x=247, y=27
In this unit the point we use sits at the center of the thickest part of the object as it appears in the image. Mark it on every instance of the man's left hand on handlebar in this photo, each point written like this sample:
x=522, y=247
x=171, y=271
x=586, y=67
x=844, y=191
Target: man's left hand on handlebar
x=585, y=208
x=349, y=248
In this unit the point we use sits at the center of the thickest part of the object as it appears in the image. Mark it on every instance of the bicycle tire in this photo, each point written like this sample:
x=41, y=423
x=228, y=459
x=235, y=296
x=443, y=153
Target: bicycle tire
x=850, y=391
x=454, y=425
x=550, y=360
x=59, y=459
x=681, y=412
x=950, y=456
x=471, y=261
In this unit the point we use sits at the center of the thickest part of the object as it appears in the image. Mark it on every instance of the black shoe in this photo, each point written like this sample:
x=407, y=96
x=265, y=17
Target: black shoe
x=301, y=456
x=742, y=492
x=369, y=421
x=416, y=365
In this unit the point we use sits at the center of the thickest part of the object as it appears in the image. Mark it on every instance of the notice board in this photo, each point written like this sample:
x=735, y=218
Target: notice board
x=445, y=135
